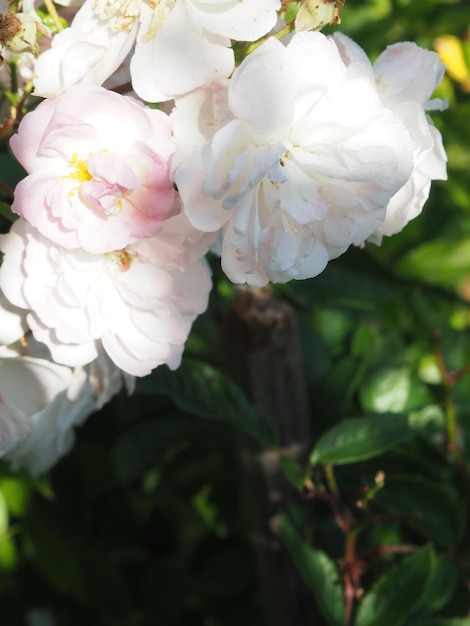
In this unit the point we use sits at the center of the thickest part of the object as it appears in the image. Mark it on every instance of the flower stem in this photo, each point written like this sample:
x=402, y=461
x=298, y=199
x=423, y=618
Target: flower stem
x=50, y=6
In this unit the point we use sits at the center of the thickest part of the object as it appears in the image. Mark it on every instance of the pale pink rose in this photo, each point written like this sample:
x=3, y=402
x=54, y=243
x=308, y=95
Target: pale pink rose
x=136, y=303
x=98, y=169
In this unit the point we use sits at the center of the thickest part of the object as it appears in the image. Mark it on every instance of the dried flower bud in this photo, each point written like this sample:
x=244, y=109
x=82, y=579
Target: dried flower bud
x=314, y=14
x=19, y=31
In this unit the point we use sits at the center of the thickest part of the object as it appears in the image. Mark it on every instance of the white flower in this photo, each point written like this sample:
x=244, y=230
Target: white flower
x=42, y=402
x=179, y=44
x=137, y=304
x=406, y=76
x=304, y=169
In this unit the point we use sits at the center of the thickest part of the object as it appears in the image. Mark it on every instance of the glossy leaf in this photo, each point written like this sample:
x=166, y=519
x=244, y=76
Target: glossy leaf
x=358, y=439
x=318, y=570
x=398, y=592
x=199, y=389
x=441, y=585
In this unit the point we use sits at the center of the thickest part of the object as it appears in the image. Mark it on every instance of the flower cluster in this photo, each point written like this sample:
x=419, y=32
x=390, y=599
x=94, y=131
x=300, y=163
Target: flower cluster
x=278, y=166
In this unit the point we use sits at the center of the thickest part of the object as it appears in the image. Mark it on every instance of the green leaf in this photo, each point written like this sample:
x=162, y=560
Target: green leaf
x=446, y=621
x=17, y=495
x=5, y=211
x=357, y=439
x=394, y=390
x=441, y=586
x=295, y=473
x=150, y=443
x=318, y=570
x=199, y=389
x=4, y=517
x=56, y=559
x=386, y=390
x=12, y=171
x=434, y=510
x=8, y=555
x=398, y=592
x=440, y=262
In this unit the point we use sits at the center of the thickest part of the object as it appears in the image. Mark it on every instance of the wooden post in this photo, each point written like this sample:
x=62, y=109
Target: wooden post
x=266, y=361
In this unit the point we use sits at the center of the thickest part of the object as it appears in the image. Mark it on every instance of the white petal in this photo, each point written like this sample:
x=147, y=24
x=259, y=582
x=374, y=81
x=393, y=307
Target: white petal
x=88, y=52
x=404, y=71
x=180, y=57
x=246, y=21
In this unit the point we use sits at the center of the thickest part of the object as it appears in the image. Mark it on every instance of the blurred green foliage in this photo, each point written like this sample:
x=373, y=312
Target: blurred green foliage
x=141, y=524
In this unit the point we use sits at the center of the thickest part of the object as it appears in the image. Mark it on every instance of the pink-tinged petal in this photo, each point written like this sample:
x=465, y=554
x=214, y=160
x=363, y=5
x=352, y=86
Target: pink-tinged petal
x=61, y=131
x=111, y=179
x=404, y=71
x=95, y=182
x=198, y=115
x=35, y=199
x=181, y=54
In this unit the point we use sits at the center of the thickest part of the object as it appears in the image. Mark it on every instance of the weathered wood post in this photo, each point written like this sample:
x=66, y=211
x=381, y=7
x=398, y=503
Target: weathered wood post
x=265, y=359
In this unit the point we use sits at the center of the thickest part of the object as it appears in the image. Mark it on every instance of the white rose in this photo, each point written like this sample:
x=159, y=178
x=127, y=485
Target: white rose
x=42, y=402
x=406, y=76
x=304, y=166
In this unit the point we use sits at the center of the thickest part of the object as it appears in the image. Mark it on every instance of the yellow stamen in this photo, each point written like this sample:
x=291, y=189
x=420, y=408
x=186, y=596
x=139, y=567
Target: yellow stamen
x=81, y=172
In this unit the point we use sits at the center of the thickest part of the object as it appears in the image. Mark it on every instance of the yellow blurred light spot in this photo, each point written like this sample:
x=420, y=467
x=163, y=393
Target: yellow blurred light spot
x=450, y=50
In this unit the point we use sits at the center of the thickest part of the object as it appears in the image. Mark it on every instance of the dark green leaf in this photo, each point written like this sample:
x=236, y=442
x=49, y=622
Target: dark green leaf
x=393, y=389
x=318, y=570
x=398, y=592
x=294, y=472
x=441, y=586
x=12, y=171
x=5, y=211
x=446, y=621
x=199, y=389
x=434, y=510
x=56, y=560
x=357, y=439
x=150, y=443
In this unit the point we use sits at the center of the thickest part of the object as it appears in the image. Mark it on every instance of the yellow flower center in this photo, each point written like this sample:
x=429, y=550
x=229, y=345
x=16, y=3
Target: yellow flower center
x=80, y=172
